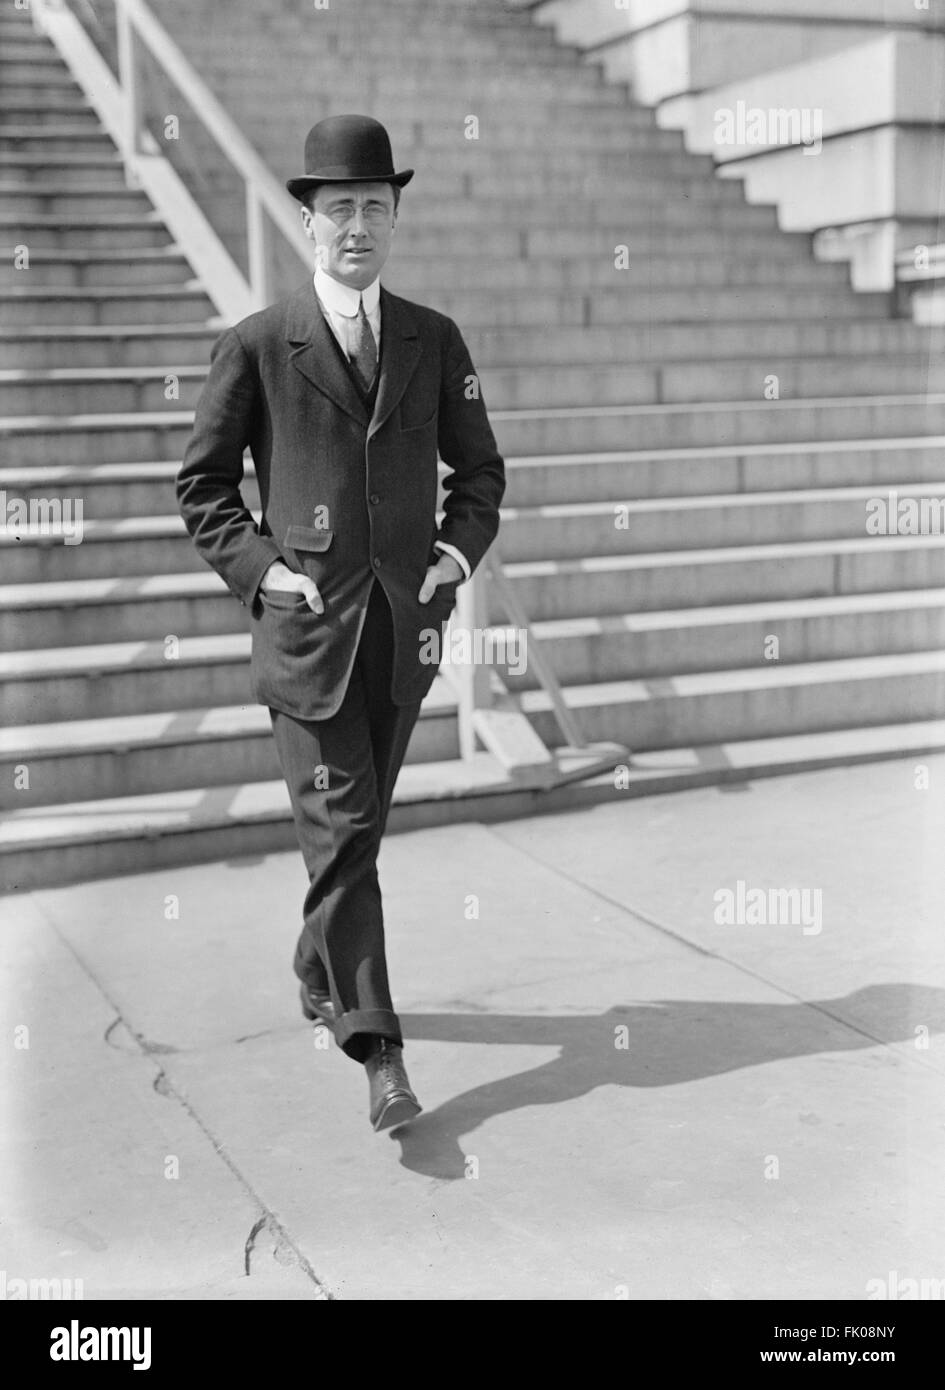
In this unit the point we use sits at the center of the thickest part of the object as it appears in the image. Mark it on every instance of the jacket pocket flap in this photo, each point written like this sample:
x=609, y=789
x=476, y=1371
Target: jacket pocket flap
x=307, y=538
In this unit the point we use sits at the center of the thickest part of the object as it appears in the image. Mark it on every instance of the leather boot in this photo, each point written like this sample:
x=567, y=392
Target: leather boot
x=392, y=1100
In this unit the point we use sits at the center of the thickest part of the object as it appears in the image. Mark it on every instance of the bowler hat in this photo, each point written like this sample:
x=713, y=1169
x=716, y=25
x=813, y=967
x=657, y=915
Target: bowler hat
x=347, y=149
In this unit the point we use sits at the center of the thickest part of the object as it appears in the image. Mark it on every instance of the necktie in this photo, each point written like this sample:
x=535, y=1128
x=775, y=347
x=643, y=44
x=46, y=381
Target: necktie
x=364, y=349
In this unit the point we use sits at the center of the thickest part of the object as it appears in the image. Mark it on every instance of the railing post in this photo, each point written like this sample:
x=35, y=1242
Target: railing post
x=258, y=247
x=475, y=683
x=129, y=78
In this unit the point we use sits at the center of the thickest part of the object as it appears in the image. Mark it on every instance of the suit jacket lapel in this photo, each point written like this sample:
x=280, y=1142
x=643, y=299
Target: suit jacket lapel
x=400, y=353
x=314, y=353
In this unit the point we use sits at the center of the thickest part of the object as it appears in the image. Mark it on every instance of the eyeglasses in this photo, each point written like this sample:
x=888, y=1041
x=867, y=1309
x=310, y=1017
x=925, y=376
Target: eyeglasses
x=375, y=215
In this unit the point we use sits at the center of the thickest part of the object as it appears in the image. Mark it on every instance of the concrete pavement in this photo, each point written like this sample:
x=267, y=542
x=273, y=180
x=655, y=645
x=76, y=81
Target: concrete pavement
x=626, y=1095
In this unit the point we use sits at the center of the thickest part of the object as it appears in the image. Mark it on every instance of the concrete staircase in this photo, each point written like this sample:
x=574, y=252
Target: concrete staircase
x=663, y=520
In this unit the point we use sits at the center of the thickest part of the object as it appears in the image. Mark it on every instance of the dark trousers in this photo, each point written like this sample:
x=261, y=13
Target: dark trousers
x=340, y=773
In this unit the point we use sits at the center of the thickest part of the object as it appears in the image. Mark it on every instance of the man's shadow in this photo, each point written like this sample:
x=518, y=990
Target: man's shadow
x=662, y=1043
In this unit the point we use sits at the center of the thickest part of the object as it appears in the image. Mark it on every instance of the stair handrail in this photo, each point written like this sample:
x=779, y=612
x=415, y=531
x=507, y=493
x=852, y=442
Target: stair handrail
x=268, y=203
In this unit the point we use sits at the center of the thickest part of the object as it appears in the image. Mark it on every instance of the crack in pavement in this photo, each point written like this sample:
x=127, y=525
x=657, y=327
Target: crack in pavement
x=162, y=1083
x=283, y=1252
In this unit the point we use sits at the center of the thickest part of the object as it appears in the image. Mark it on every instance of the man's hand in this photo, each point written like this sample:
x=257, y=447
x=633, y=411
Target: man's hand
x=279, y=576
x=444, y=571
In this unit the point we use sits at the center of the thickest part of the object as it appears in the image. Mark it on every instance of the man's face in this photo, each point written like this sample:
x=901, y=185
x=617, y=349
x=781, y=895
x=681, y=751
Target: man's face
x=351, y=225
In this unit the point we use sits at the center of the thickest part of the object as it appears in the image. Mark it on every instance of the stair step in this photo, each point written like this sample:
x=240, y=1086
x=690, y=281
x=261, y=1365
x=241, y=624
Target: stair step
x=687, y=641
x=57, y=91
x=635, y=130
x=575, y=309
x=25, y=201
x=106, y=389
x=37, y=71
x=627, y=383
x=567, y=309
x=179, y=344
x=95, y=389
x=21, y=32
x=92, y=839
x=641, y=644
x=73, y=439
x=52, y=139
x=609, y=585
x=103, y=269
x=164, y=434
x=881, y=463
x=437, y=137
x=560, y=531
x=37, y=687
x=623, y=214
x=504, y=240
x=722, y=337
x=189, y=344
x=730, y=423
x=674, y=182
x=123, y=489
x=415, y=277
x=606, y=586
x=69, y=108
x=572, y=530
x=20, y=46
x=98, y=611
x=97, y=306
x=132, y=755
x=106, y=681
x=666, y=161
x=488, y=98
x=760, y=702
x=319, y=63
x=101, y=171
x=58, y=232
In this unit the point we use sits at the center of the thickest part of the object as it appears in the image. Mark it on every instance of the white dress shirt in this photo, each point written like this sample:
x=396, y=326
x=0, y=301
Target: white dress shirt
x=341, y=305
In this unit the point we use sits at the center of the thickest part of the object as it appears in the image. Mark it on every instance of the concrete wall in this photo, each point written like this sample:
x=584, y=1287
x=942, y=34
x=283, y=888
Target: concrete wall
x=867, y=77
x=667, y=47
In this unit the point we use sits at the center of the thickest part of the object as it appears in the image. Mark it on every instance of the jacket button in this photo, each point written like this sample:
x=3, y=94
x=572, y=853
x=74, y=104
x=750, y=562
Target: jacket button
x=374, y=499
x=377, y=562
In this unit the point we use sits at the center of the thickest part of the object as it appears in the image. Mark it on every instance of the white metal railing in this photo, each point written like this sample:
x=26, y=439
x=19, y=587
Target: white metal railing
x=268, y=204
x=493, y=719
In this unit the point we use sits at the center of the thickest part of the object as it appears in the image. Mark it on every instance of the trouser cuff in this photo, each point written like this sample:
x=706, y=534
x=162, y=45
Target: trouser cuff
x=356, y=1028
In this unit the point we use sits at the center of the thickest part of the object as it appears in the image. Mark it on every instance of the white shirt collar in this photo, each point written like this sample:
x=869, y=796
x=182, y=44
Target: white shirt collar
x=342, y=299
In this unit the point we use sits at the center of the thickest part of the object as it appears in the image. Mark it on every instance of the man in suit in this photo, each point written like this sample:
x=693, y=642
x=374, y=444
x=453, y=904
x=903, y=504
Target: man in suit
x=345, y=394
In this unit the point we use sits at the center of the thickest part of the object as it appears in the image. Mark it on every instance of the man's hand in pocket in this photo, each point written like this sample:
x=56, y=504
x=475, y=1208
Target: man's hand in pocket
x=279, y=577
x=445, y=571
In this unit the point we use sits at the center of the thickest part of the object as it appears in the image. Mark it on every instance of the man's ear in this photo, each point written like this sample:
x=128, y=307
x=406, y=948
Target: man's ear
x=308, y=222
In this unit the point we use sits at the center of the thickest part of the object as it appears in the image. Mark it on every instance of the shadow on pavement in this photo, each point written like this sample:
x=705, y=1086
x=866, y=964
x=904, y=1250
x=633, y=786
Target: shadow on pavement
x=666, y=1042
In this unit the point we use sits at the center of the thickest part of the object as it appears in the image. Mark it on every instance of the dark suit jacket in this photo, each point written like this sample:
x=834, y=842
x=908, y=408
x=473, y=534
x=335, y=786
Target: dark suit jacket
x=346, y=496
